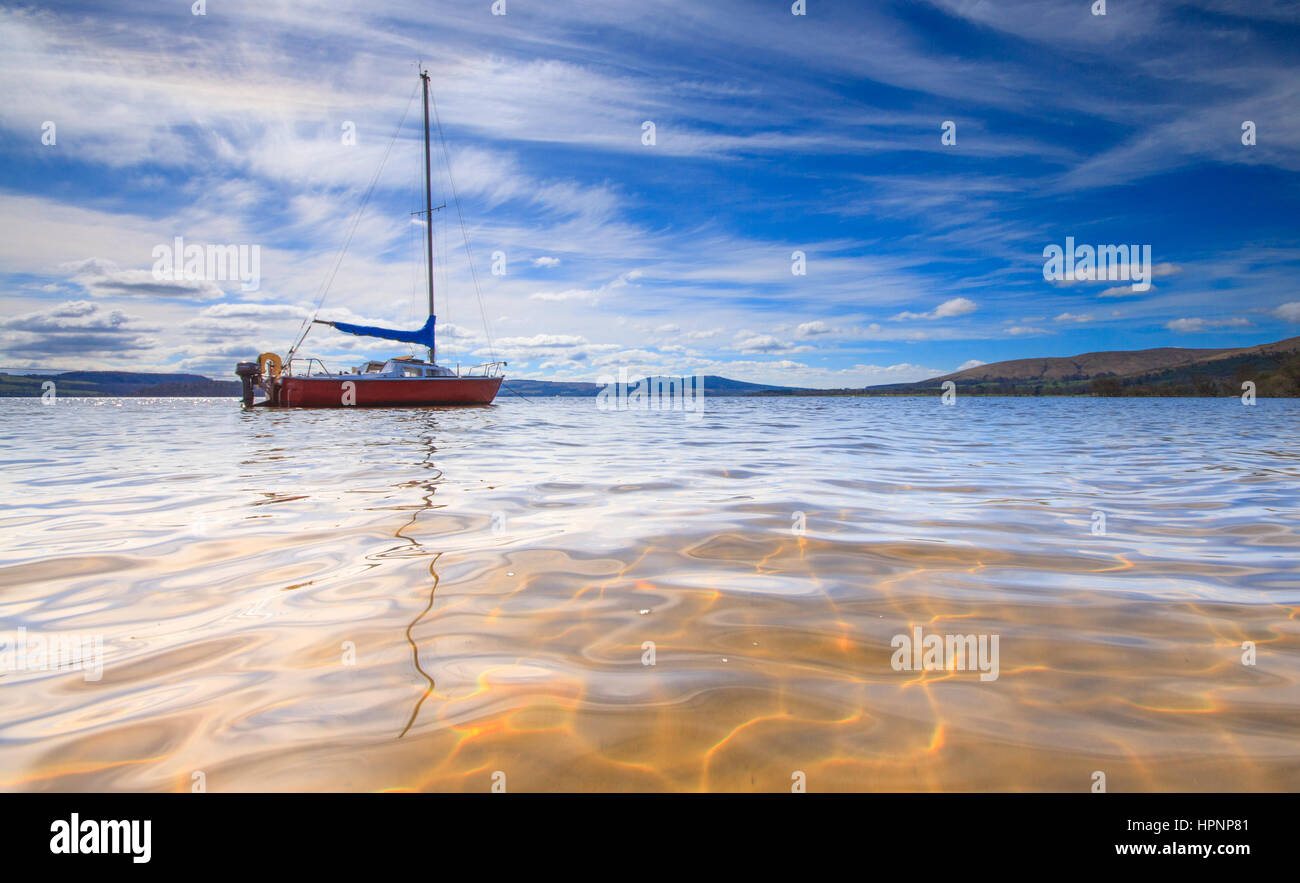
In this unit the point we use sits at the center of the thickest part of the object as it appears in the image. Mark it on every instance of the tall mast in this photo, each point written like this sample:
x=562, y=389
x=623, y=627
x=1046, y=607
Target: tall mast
x=428, y=198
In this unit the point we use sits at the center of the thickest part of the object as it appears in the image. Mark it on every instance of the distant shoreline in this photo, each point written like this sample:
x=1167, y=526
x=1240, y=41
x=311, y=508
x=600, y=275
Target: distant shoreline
x=1270, y=370
x=218, y=389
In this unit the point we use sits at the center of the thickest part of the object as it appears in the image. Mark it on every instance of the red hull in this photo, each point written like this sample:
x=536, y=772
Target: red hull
x=324, y=392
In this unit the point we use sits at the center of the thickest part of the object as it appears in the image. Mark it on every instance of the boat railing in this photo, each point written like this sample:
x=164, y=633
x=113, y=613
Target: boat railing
x=311, y=366
x=487, y=369
x=305, y=365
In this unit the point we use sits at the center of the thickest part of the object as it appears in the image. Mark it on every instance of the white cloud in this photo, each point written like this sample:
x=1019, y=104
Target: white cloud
x=957, y=306
x=240, y=311
x=766, y=343
x=74, y=329
x=1186, y=326
x=812, y=329
x=103, y=278
x=1289, y=312
x=1122, y=291
x=589, y=295
x=542, y=341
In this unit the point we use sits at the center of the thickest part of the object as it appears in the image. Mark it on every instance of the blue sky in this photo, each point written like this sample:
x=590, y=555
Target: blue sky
x=774, y=133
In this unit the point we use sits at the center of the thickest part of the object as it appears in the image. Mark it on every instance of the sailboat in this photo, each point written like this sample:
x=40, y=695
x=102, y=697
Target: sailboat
x=403, y=380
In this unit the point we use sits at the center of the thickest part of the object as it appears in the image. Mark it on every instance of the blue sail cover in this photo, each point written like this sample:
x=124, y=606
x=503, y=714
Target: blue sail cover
x=423, y=336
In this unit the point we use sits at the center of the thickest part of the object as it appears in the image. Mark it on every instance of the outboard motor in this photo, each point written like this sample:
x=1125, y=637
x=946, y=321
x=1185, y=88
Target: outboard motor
x=251, y=375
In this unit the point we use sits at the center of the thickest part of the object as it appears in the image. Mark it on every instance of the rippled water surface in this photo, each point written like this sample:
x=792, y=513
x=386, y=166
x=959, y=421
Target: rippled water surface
x=420, y=599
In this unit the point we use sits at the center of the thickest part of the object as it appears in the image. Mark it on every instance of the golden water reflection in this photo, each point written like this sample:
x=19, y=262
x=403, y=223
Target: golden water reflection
x=500, y=573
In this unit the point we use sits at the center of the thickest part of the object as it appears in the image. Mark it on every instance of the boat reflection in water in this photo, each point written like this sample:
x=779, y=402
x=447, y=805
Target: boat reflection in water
x=417, y=549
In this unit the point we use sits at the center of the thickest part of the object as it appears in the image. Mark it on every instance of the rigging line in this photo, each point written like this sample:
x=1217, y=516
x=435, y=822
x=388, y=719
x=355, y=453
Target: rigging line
x=329, y=279
x=517, y=392
x=443, y=262
x=487, y=329
x=415, y=253
x=410, y=244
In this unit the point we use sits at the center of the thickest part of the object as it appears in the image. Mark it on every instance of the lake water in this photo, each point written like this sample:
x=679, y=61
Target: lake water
x=440, y=599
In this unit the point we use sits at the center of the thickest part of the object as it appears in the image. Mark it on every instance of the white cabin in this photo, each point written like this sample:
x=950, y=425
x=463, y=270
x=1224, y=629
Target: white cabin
x=400, y=368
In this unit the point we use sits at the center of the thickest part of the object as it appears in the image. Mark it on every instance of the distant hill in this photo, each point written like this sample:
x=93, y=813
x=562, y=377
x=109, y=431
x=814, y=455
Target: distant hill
x=548, y=388
x=1084, y=366
x=1166, y=371
x=118, y=384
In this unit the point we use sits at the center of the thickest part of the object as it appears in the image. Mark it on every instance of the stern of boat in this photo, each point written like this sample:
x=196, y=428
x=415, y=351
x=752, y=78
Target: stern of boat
x=262, y=374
